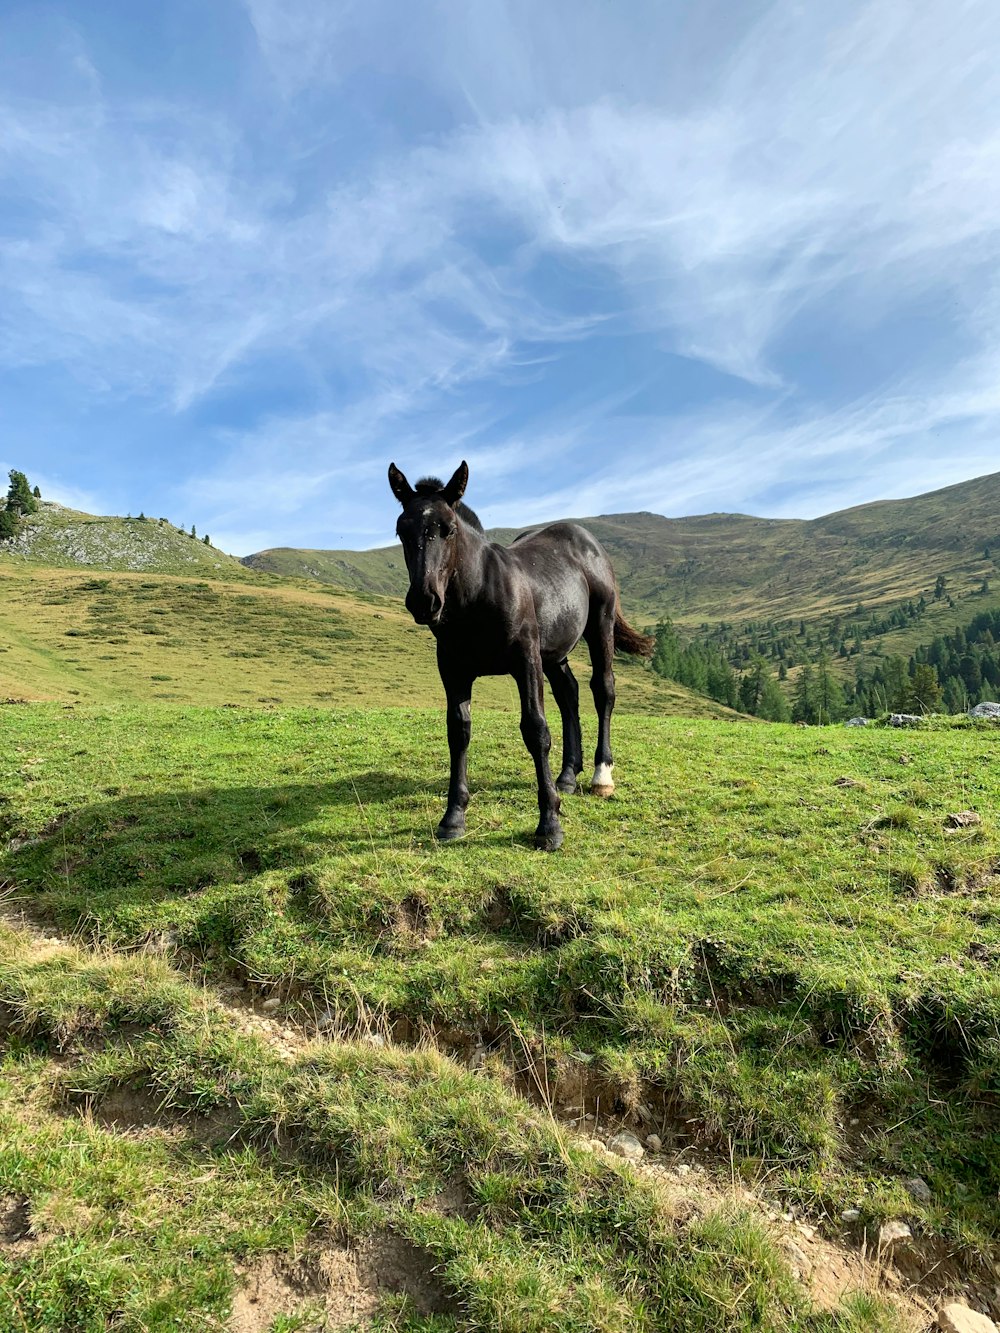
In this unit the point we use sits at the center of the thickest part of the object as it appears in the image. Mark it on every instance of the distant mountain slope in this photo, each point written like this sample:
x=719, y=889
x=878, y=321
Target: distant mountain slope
x=737, y=567
x=58, y=537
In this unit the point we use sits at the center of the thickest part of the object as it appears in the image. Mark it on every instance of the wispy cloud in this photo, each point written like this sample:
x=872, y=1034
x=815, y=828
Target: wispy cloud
x=392, y=236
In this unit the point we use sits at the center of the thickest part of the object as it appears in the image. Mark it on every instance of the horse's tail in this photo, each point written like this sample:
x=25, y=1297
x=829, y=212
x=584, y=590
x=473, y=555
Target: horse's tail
x=629, y=640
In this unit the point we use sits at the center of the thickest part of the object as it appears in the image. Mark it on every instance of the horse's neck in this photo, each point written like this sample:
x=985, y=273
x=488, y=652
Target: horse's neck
x=468, y=571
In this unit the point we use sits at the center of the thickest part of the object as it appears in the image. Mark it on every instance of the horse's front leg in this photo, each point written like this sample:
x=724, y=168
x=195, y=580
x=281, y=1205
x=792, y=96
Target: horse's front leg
x=459, y=692
x=527, y=671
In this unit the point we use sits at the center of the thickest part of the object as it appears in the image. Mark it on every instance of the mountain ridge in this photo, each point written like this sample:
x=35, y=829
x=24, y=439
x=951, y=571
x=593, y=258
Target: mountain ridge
x=732, y=566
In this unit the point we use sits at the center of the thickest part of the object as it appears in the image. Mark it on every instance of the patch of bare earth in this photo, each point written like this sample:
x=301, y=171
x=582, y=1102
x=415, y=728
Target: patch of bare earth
x=336, y=1285
x=15, y=1225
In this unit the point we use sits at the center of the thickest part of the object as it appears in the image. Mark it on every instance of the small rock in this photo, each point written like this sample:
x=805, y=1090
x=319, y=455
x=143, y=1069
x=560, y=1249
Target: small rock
x=271, y=1005
x=847, y=782
x=626, y=1145
x=986, y=709
x=325, y=1021
x=893, y=1232
x=858, y=722
x=645, y=1112
x=653, y=1142
x=958, y=1318
x=683, y=1169
x=963, y=819
x=850, y=1215
x=800, y=1260
x=905, y=720
x=918, y=1189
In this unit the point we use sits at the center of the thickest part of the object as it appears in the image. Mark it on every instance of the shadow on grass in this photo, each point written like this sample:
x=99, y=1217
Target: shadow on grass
x=146, y=847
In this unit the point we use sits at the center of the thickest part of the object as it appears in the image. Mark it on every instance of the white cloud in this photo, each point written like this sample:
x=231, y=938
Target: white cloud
x=713, y=180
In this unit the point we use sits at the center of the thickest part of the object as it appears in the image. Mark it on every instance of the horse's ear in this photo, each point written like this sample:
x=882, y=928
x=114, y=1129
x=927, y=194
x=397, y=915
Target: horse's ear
x=455, y=489
x=401, y=488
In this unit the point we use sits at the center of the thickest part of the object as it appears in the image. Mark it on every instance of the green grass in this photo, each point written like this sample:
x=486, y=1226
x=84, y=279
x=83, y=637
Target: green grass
x=231, y=1155
x=110, y=637
x=798, y=972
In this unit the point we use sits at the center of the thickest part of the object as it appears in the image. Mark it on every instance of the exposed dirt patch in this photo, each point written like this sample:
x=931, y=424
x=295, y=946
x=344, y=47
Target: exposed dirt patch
x=15, y=1225
x=412, y=918
x=339, y=1285
x=138, y=1111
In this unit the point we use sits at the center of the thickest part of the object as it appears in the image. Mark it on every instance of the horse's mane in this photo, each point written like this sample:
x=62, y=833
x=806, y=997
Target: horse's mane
x=433, y=485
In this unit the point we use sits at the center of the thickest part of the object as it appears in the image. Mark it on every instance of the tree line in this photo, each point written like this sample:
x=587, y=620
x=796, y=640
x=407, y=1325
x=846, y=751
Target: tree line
x=950, y=674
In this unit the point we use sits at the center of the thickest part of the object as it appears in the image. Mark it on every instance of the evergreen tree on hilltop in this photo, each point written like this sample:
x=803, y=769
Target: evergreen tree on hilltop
x=37, y=493
x=19, y=502
x=9, y=524
x=19, y=496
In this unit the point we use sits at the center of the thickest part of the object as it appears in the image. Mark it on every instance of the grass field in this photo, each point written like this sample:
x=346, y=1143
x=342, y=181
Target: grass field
x=69, y=635
x=770, y=947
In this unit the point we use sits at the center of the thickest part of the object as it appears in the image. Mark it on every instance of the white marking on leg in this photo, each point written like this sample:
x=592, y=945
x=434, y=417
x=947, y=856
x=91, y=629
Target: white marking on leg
x=602, y=784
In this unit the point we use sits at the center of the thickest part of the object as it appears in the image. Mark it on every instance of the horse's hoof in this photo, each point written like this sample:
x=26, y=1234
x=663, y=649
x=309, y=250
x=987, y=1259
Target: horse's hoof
x=451, y=833
x=567, y=786
x=549, y=842
x=604, y=789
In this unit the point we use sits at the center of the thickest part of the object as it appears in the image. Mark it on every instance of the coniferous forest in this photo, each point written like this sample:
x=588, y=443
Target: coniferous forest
x=791, y=671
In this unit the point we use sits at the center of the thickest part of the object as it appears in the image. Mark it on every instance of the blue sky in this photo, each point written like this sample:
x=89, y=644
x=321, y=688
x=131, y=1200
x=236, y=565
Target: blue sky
x=647, y=255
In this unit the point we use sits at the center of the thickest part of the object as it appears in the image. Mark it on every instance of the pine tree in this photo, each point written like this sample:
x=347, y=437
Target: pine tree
x=206, y=540
x=804, y=697
x=773, y=706
x=37, y=493
x=924, y=693
x=193, y=533
x=9, y=524
x=828, y=706
x=19, y=496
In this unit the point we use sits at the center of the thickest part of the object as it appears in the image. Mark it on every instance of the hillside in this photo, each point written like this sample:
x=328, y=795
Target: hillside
x=125, y=637
x=67, y=538
x=735, y=567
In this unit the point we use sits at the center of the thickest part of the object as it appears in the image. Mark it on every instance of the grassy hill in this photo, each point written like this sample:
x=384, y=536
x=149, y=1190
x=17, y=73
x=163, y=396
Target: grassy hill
x=271, y=1056
x=735, y=567
x=68, y=635
x=67, y=538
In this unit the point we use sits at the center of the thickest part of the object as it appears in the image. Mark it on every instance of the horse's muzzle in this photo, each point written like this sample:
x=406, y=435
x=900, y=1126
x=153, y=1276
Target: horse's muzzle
x=425, y=608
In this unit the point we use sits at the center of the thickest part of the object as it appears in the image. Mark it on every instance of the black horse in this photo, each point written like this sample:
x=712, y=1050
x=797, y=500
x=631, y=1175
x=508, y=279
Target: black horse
x=519, y=611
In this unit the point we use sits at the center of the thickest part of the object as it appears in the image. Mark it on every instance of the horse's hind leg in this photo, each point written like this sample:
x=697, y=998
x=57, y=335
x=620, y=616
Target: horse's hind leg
x=567, y=697
x=600, y=636
x=527, y=671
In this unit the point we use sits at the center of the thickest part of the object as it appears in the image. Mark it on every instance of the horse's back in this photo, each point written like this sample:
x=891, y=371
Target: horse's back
x=568, y=571
x=563, y=544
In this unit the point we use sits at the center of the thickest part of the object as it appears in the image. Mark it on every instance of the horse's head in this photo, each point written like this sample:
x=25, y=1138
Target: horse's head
x=428, y=528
